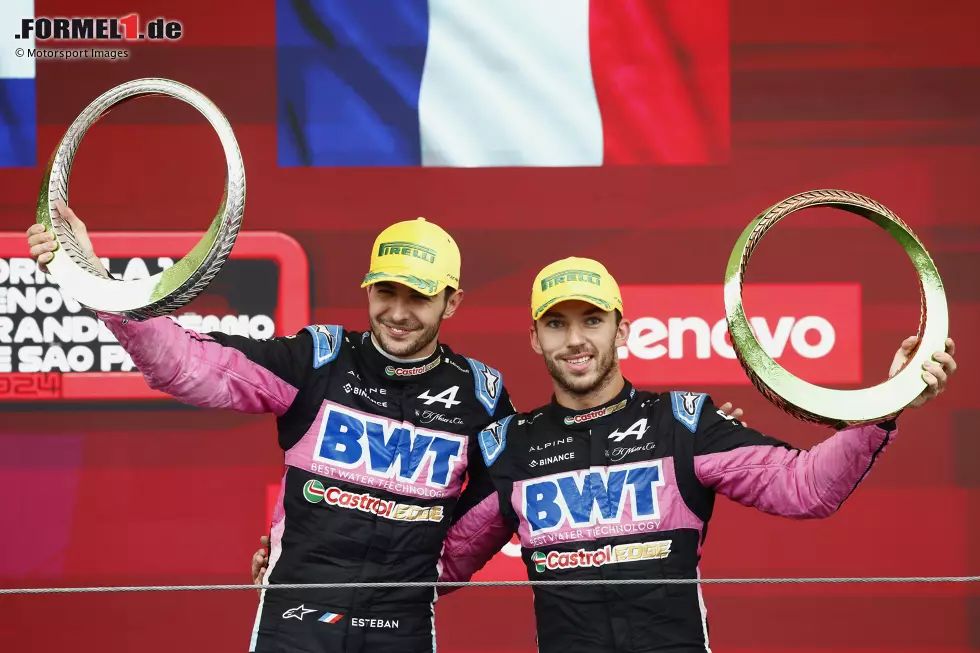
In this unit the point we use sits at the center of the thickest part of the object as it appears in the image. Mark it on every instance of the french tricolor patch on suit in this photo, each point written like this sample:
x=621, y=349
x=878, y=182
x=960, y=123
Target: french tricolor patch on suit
x=330, y=617
x=18, y=120
x=550, y=83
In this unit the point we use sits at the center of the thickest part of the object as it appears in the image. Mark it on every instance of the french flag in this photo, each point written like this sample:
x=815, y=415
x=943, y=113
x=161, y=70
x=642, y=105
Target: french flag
x=480, y=83
x=330, y=617
x=18, y=121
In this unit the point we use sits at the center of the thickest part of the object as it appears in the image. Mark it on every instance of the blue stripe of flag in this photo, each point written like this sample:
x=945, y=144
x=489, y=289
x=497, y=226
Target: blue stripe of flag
x=18, y=124
x=349, y=74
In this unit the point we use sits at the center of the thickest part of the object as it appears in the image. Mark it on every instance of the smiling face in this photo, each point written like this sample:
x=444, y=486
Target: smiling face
x=405, y=322
x=578, y=342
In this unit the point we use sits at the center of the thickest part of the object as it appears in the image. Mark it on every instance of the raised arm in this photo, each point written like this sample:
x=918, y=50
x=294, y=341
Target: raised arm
x=216, y=370
x=775, y=477
x=207, y=370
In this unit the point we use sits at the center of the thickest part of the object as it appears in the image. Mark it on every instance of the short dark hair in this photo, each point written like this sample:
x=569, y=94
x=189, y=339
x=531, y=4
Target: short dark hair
x=447, y=293
x=619, y=318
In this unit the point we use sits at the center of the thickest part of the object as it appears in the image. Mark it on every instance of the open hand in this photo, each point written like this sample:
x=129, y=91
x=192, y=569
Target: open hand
x=935, y=372
x=260, y=561
x=43, y=245
x=737, y=413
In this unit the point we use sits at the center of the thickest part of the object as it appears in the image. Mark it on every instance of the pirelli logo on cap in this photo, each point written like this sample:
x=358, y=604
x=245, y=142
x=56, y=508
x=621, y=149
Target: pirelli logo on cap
x=571, y=275
x=405, y=248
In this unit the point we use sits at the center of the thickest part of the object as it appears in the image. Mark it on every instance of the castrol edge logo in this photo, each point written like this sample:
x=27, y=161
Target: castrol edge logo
x=679, y=334
x=607, y=555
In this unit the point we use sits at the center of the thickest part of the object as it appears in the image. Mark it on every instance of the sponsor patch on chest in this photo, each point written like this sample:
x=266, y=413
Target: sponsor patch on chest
x=372, y=451
x=588, y=504
x=607, y=555
x=315, y=492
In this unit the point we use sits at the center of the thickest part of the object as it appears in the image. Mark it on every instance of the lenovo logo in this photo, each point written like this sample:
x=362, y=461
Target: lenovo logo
x=679, y=333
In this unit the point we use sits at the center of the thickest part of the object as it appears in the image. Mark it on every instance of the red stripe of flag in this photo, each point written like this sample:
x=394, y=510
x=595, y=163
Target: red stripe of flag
x=661, y=75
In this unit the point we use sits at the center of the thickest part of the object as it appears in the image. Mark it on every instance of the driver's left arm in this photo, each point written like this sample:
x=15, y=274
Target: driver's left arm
x=777, y=478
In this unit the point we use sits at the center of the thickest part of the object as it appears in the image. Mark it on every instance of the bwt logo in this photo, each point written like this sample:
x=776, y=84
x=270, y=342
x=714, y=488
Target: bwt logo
x=586, y=498
x=388, y=449
x=126, y=28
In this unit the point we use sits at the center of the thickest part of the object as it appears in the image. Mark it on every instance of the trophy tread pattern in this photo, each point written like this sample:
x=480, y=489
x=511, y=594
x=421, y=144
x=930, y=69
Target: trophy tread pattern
x=766, y=221
x=231, y=213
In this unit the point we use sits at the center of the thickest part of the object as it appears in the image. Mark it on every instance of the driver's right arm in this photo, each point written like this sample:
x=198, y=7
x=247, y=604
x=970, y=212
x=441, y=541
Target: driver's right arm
x=215, y=370
x=210, y=370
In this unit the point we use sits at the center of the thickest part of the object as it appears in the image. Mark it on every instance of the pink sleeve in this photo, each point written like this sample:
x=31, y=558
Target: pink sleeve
x=195, y=369
x=794, y=483
x=475, y=538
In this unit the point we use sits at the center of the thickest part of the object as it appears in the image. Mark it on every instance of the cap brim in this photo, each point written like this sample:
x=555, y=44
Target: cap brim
x=590, y=299
x=426, y=286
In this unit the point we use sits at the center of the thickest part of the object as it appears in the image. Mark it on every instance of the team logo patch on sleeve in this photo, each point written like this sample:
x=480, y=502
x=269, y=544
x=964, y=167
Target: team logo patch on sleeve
x=326, y=343
x=687, y=408
x=489, y=384
x=493, y=439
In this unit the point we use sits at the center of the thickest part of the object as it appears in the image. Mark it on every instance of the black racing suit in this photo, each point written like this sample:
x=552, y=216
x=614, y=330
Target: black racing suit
x=625, y=491
x=375, y=457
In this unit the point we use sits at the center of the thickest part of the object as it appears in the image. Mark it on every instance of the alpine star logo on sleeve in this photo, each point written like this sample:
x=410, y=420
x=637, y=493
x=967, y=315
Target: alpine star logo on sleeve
x=493, y=439
x=488, y=384
x=326, y=343
x=687, y=408
x=594, y=503
x=394, y=456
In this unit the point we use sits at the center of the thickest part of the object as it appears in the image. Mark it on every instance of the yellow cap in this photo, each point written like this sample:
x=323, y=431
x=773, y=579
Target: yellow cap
x=575, y=278
x=417, y=254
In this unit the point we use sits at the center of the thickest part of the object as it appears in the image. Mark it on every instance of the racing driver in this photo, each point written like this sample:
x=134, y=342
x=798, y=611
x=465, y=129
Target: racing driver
x=609, y=482
x=378, y=429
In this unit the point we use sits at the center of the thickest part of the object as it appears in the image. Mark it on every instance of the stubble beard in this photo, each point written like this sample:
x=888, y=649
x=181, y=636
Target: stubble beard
x=408, y=349
x=605, y=368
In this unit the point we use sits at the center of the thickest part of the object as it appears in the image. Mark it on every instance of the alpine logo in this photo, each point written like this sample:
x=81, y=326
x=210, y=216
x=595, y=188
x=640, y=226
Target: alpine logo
x=639, y=428
x=607, y=555
x=447, y=397
x=548, y=445
x=813, y=330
